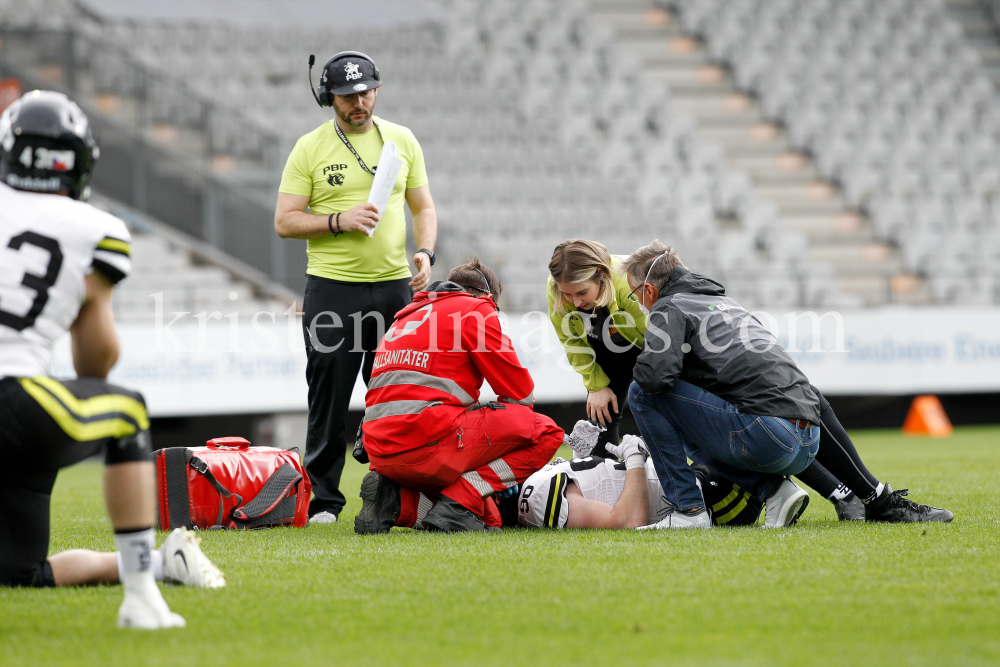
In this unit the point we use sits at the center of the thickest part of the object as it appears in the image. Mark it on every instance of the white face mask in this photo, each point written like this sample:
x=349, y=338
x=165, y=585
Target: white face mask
x=645, y=311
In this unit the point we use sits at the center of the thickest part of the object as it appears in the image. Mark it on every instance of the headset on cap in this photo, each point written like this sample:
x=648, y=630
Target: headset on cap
x=322, y=94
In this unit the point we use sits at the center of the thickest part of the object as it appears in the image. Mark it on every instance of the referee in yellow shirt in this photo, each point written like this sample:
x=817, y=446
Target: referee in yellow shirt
x=356, y=282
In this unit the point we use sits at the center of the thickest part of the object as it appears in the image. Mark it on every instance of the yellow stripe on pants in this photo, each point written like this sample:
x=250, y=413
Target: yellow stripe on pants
x=731, y=514
x=728, y=499
x=69, y=419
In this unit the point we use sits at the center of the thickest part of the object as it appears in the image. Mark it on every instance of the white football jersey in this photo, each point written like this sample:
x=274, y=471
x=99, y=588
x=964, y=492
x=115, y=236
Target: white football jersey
x=542, y=502
x=48, y=244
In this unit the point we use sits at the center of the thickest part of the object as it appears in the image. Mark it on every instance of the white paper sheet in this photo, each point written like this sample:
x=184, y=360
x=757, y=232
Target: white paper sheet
x=389, y=165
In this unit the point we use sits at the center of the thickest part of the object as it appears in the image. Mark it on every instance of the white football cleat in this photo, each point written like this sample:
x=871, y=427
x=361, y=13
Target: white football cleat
x=584, y=437
x=680, y=520
x=184, y=562
x=323, y=517
x=147, y=610
x=785, y=506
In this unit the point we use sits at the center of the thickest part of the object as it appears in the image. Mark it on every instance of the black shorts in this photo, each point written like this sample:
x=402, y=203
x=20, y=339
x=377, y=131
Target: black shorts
x=46, y=425
x=730, y=504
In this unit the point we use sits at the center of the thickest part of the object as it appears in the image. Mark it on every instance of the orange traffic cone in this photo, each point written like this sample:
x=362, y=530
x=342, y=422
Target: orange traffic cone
x=927, y=417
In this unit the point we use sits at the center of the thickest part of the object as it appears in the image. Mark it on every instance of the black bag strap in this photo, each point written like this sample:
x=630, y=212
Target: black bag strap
x=202, y=467
x=175, y=461
x=284, y=512
x=265, y=506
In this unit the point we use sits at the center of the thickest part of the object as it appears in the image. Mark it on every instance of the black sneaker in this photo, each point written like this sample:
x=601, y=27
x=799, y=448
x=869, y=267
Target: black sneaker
x=447, y=516
x=850, y=508
x=892, y=507
x=380, y=505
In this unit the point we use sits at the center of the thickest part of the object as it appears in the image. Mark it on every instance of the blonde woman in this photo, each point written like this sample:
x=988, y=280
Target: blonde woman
x=598, y=324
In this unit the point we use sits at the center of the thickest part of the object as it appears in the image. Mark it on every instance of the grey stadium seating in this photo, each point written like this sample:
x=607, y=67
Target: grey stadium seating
x=813, y=153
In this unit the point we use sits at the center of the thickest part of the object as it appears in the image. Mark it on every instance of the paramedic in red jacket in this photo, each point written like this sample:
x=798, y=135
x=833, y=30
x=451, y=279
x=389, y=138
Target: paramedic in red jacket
x=428, y=439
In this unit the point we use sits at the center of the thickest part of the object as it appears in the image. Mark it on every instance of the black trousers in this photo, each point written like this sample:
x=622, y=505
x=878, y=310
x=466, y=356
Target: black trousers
x=342, y=324
x=46, y=425
x=838, y=461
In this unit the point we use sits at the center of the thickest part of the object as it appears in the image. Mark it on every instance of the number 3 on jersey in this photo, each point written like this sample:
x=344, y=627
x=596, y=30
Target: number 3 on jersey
x=39, y=284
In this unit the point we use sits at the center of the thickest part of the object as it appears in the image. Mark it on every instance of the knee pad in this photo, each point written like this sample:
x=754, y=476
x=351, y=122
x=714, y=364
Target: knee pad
x=137, y=446
x=129, y=448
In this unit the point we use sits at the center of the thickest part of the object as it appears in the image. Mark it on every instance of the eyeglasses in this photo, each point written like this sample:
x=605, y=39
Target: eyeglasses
x=631, y=294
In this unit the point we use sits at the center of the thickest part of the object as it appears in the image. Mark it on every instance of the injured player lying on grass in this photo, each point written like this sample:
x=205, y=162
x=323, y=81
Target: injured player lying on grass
x=596, y=492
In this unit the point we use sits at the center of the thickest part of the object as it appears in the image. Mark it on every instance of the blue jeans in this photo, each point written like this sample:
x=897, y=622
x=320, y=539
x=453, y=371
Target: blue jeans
x=755, y=452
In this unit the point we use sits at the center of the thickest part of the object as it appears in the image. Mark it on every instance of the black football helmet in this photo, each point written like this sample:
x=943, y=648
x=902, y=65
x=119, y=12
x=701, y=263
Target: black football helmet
x=46, y=145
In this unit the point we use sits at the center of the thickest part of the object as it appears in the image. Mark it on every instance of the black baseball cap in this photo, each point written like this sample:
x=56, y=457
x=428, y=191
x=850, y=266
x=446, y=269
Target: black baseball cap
x=350, y=72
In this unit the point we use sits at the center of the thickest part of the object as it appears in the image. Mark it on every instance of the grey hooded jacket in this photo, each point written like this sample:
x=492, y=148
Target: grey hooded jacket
x=698, y=335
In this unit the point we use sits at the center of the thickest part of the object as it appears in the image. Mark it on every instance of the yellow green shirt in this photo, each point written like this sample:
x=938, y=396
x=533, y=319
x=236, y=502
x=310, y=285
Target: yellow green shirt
x=626, y=316
x=322, y=168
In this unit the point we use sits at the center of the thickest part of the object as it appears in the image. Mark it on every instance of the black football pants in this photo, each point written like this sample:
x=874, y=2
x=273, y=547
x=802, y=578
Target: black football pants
x=342, y=323
x=46, y=425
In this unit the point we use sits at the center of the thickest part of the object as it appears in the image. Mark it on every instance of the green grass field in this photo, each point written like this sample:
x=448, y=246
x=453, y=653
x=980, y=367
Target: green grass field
x=820, y=593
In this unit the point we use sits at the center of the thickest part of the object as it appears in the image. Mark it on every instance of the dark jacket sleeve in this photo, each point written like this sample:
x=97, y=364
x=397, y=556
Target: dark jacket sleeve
x=661, y=359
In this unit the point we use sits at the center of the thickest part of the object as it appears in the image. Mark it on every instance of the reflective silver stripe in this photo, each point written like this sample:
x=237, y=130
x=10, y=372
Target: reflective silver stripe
x=480, y=484
x=503, y=471
x=421, y=380
x=424, y=505
x=529, y=400
x=394, y=408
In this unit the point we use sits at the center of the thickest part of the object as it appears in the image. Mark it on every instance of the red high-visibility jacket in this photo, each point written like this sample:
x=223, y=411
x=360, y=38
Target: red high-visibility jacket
x=430, y=366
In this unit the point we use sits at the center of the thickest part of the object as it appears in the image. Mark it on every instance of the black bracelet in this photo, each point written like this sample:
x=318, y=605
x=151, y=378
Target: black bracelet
x=329, y=223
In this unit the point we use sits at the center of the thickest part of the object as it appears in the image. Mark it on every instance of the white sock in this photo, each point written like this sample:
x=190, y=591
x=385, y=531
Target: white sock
x=135, y=554
x=157, y=566
x=839, y=493
x=875, y=496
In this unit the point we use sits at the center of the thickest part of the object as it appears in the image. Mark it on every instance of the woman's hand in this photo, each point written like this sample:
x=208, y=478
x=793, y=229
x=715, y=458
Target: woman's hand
x=597, y=405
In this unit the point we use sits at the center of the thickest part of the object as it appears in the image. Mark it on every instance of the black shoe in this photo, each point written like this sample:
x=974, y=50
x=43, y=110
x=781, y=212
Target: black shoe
x=850, y=508
x=892, y=507
x=380, y=505
x=447, y=516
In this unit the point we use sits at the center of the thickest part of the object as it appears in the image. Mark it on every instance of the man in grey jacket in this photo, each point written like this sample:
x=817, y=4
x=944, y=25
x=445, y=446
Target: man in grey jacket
x=713, y=384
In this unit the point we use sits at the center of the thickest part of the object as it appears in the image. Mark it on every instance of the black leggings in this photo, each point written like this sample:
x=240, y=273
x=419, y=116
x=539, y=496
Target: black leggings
x=838, y=460
x=46, y=425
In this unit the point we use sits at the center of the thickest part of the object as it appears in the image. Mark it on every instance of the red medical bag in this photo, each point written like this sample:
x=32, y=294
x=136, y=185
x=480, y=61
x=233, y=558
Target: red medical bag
x=229, y=484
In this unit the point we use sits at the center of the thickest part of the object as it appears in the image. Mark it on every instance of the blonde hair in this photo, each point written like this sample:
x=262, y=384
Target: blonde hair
x=580, y=261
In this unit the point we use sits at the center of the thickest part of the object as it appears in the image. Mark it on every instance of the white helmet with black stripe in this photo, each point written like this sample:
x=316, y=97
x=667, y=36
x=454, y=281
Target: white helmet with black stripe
x=542, y=503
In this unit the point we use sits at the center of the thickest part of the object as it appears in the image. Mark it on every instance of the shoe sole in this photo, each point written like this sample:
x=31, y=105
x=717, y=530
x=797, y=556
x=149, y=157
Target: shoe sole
x=795, y=510
x=364, y=523
x=791, y=512
x=937, y=518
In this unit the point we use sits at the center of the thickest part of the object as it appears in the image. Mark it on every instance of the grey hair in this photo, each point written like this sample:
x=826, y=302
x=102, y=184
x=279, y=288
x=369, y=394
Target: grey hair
x=637, y=266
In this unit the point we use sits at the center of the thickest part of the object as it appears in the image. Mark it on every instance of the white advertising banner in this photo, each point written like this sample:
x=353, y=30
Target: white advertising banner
x=226, y=365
